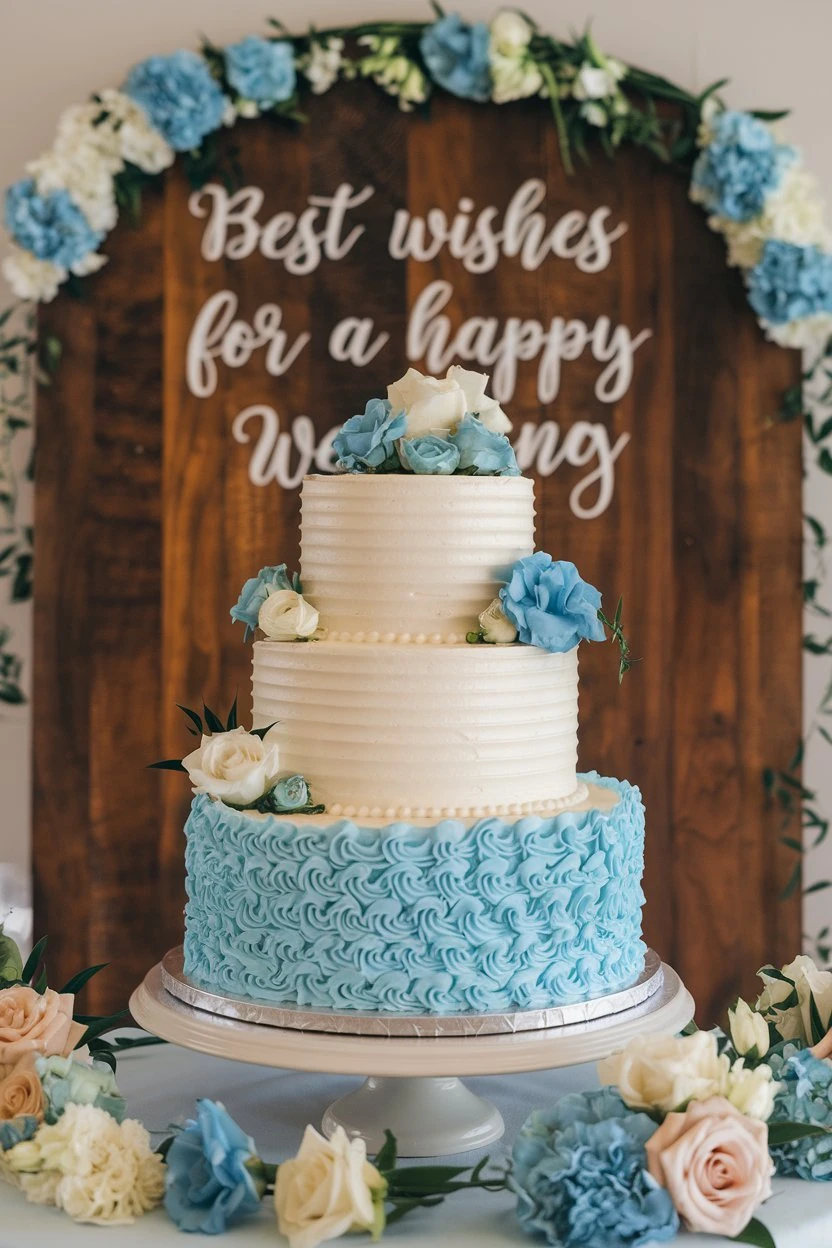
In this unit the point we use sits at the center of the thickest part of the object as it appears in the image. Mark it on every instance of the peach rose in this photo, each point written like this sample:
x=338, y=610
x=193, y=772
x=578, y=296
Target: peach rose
x=21, y=1091
x=35, y=1023
x=715, y=1163
x=823, y=1049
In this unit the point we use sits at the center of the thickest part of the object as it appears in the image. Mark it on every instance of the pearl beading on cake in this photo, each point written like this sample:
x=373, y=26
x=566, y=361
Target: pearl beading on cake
x=416, y=639
x=460, y=812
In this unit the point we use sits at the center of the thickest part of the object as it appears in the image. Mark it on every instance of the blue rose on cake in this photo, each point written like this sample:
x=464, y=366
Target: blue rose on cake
x=482, y=452
x=368, y=441
x=429, y=455
x=549, y=604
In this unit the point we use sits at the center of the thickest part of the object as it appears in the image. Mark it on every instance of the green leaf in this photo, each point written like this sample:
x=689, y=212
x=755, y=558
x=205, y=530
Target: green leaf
x=34, y=960
x=787, y=1132
x=231, y=722
x=168, y=764
x=388, y=1153
x=41, y=983
x=793, y=882
x=403, y=1207
x=791, y=843
x=825, y=461
x=195, y=719
x=96, y=1026
x=78, y=981
x=261, y=732
x=817, y=887
x=757, y=1234
x=765, y=114
x=690, y=1029
x=818, y=1029
x=11, y=962
x=818, y=531
x=103, y=1052
x=213, y=721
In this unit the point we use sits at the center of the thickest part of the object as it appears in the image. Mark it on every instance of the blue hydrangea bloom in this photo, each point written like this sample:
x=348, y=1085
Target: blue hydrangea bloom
x=549, y=604
x=261, y=69
x=257, y=589
x=16, y=1130
x=430, y=455
x=457, y=56
x=490, y=454
x=207, y=1183
x=580, y=1174
x=66, y=1082
x=741, y=165
x=180, y=95
x=790, y=282
x=51, y=226
x=367, y=442
x=807, y=1097
x=291, y=793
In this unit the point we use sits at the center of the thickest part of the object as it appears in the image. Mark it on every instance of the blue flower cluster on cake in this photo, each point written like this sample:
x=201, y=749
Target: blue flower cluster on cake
x=430, y=426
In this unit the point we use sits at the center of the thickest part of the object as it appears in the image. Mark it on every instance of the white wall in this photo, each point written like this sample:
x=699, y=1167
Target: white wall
x=54, y=53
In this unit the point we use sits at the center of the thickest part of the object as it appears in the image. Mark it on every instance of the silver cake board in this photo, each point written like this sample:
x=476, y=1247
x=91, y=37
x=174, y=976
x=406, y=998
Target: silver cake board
x=419, y=1026
x=412, y=1082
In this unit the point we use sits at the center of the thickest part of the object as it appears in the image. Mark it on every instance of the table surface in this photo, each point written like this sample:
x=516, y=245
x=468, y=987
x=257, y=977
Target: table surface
x=161, y=1085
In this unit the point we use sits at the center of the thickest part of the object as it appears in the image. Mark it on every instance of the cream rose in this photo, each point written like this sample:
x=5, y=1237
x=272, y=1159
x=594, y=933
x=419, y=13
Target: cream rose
x=31, y=1022
x=21, y=1091
x=437, y=405
x=510, y=33
x=286, y=615
x=235, y=766
x=495, y=625
x=666, y=1072
x=795, y=1022
x=752, y=1090
x=328, y=1189
x=749, y=1030
x=715, y=1164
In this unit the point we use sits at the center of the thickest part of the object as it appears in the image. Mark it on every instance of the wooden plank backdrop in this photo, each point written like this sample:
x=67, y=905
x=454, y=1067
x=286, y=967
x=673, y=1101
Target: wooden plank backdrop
x=147, y=522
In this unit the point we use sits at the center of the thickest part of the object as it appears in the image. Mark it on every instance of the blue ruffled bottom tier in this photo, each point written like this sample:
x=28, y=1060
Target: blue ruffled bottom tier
x=490, y=917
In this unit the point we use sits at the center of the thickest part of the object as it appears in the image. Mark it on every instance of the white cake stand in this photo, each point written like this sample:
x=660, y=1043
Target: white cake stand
x=412, y=1083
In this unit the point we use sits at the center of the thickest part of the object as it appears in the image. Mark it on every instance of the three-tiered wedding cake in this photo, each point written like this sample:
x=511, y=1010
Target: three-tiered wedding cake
x=461, y=864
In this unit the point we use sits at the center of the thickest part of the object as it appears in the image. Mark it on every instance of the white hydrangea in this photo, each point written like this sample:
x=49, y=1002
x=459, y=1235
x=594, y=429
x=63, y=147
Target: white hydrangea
x=392, y=71
x=794, y=213
x=807, y=331
x=86, y=175
x=323, y=64
x=247, y=108
x=598, y=82
x=136, y=140
x=96, y=1169
x=31, y=278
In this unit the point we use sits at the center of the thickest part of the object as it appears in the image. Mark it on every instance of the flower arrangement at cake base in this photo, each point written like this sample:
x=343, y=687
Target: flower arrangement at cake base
x=685, y=1131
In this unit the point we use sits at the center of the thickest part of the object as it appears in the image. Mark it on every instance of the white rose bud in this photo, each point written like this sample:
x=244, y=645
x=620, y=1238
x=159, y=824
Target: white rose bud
x=510, y=33
x=752, y=1091
x=236, y=766
x=285, y=616
x=495, y=625
x=330, y=1188
x=749, y=1030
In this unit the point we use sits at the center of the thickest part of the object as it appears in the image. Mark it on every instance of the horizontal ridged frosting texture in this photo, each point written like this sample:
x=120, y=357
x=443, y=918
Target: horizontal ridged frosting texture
x=396, y=553
x=422, y=729
x=491, y=917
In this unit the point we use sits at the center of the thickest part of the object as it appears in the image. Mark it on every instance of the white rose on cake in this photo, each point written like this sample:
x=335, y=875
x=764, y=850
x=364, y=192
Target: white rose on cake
x=286, y=615
x=496, y=627
x=236, y=766
x=437, y=405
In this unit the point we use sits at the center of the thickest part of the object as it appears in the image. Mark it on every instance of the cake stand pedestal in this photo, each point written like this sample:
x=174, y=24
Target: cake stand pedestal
x=428, y=1109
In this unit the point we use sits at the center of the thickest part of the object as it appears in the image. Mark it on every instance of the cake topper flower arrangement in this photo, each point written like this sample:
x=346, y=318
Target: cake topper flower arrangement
x=545, y=603
x=239, y=768
x=430, y=426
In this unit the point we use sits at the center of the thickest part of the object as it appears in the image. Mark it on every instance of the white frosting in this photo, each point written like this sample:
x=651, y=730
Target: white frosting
x=387, y=730
x=393, y=554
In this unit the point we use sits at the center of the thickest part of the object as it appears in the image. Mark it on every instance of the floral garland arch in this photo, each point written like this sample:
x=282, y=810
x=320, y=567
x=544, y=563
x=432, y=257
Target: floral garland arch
x=750, y=182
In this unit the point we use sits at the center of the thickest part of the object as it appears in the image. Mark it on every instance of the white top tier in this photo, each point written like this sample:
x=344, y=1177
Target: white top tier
x=422, y=556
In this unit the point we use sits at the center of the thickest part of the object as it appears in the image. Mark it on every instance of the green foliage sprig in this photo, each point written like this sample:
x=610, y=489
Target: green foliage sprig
x=617, y=634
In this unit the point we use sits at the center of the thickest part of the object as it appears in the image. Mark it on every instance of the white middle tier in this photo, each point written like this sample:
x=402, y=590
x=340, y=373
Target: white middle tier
x=387, y=729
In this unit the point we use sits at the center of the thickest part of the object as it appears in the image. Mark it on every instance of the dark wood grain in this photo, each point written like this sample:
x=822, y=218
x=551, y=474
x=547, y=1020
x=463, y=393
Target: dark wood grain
x=147, y=521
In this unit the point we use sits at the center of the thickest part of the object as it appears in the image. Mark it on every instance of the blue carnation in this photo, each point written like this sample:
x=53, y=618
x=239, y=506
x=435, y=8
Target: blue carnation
x=790, y=282
x=549, y=604
x=257, y=589
x=51, y=226
x=261, y=69
x=741, y=165
x=208, y=1180
x=367, y=442
x=806, y=1097
x=291, y=793
x=430, y=455
x=181, y=97
x=484, y=452
x=580, y=1174
x=457, y=55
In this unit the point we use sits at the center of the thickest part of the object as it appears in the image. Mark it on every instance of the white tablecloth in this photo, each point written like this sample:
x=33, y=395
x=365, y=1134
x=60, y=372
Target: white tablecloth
x=162, y=1084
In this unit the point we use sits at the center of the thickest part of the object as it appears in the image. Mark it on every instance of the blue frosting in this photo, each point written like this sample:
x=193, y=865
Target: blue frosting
x=488, y=917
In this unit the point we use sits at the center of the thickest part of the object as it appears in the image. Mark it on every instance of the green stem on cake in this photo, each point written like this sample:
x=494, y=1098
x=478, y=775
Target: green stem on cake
x=617, y=634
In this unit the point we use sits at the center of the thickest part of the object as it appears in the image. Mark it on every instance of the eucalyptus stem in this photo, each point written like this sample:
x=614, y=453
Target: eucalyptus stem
x=548, y=75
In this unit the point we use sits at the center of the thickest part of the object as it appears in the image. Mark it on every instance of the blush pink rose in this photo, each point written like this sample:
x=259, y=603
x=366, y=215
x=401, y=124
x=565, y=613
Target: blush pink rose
x=31, y=1022
x=21, y=1091
x=823, y=1048
x=715, y=1164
